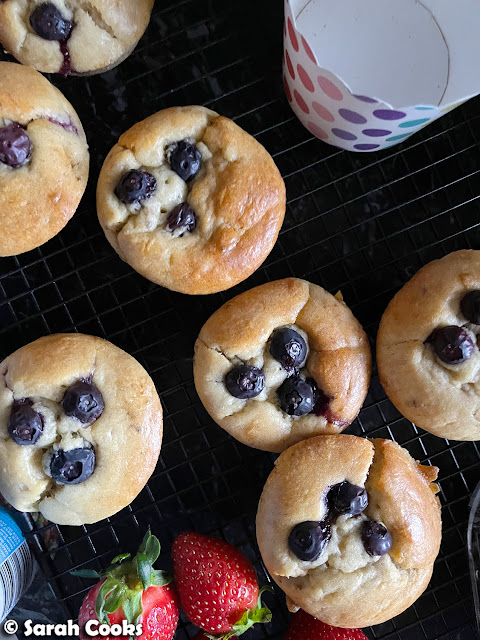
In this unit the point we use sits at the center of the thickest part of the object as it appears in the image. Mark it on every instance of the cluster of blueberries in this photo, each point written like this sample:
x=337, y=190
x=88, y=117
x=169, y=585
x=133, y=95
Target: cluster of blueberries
x=308, y=539
x=452, y=344
x=297, y=396
x=136, y=185
x=83, y=402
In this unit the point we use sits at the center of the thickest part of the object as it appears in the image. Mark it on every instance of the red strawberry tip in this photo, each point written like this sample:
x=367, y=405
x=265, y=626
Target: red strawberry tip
x=261, y=614
x=303, y=625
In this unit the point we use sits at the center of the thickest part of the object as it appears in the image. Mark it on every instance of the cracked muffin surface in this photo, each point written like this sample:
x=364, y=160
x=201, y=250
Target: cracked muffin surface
x=427, y=347
x=80, y=428
x=190, y=200
x=282, y=362
x=80, y=37
x=349, y=528
x=44, y=159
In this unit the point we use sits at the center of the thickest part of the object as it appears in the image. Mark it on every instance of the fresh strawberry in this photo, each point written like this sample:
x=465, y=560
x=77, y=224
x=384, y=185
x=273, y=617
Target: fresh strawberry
x=133, y=591
x=304, y=627
x=217, y=586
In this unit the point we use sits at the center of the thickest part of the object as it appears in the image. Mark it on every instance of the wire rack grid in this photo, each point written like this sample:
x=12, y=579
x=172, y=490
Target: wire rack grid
x=362, y=223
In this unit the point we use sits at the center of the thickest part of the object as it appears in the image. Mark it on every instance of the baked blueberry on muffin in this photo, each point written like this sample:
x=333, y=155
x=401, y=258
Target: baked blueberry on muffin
x=282, y=362
x=190, y=200
x=71, y=36
x=80, y=428
x=427, y=347
x=349, y=528
x=43, y=159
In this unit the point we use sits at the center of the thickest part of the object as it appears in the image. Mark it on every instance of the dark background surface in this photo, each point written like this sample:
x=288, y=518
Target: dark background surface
x=360, y=223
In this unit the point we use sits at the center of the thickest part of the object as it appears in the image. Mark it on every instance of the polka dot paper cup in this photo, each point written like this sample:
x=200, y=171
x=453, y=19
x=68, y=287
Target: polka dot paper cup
x=366, y=75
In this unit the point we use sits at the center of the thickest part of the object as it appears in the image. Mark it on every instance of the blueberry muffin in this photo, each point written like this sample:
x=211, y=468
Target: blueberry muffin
x=43, y=159
x=190, y=200
x=80, y=427
x=72, y=36
x=282, y=362
x=349, y=528
x=427, y=347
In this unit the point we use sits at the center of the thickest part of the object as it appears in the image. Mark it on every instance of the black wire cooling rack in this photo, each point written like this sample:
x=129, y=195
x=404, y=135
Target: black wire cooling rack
x=360, y=223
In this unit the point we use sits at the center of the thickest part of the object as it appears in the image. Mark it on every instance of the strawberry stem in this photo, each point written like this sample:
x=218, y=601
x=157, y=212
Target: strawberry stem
x=261, y=614
x=126, y=579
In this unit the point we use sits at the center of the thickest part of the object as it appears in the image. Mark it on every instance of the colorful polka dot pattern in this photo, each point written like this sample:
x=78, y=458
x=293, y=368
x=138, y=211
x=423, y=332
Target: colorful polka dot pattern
x=331, y=112
x=305, y=78
x=352, y=116
x=323, y=112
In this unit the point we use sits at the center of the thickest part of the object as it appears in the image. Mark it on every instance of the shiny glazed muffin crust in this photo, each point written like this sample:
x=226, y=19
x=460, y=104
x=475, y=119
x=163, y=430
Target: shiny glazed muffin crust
x=347, y=584
x=72, y=36
x=76, y=393
x=334, y=372
x=43, y=159
x=198, y=229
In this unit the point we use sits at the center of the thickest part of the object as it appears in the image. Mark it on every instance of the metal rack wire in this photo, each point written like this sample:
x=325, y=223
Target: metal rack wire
x=360, y=223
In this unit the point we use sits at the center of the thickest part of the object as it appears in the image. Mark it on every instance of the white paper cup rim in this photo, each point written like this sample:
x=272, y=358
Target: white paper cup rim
x=365, y=45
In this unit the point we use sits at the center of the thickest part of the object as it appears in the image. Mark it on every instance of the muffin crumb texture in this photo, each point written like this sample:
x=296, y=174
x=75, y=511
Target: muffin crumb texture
x=311, y=353
x=336, y=572
x=428, y=347
x=190, y=200
x=72, y=36
x=80, y=427
x=44, y=159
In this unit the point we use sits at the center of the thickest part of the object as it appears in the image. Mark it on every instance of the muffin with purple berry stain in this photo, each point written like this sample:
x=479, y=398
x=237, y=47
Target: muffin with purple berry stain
x=428, y=351
x=80, y=428
x=190, y=200
x=44, y=159
x=282, y=362
x=349, y=528
x=72, y=37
